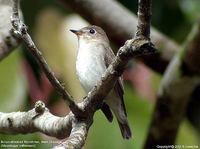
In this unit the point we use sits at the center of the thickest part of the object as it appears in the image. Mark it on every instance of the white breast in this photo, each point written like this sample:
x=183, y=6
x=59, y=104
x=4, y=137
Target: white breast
x=90, y=64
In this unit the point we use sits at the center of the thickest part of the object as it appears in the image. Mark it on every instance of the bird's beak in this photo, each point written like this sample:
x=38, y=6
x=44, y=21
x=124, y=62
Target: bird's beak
x=77, y=32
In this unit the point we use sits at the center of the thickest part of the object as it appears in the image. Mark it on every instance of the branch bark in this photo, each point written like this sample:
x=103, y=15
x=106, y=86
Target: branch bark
x=178, y=84
x=39, y=119
x=7, y=41
x=144, y=18
x=78, y=136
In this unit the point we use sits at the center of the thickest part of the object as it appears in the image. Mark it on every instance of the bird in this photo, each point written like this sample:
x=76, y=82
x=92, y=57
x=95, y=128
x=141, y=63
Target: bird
x=93, y=58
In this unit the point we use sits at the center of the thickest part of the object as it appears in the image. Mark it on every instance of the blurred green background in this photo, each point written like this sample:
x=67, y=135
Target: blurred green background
x=22, y=82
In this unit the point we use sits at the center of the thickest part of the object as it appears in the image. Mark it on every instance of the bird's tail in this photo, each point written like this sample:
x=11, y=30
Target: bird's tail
x=118, y=108
x=125, y=129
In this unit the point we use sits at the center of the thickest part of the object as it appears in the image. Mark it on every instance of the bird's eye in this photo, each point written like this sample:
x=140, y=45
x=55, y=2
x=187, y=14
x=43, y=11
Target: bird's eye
x=92, y=31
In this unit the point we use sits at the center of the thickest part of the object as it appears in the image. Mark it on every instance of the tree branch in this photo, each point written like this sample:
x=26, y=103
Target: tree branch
x=36, y=120
x=144, y=18
x=7, y=41
x=178, y=85
x=20, y=30
x=107, y=13
x=77, y=137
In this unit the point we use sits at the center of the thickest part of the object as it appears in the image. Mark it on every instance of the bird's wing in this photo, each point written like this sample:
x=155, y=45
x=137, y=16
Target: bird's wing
x=107, y=112
x=119, y=88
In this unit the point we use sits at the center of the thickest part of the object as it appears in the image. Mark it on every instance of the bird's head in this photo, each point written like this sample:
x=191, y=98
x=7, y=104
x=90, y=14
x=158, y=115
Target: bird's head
x=91, y=33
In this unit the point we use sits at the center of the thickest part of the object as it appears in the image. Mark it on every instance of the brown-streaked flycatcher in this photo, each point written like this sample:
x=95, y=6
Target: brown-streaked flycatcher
x=94, y=56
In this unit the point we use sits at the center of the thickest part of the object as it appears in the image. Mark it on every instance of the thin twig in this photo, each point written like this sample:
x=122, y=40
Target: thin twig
x=144, y=18
x=20, y=30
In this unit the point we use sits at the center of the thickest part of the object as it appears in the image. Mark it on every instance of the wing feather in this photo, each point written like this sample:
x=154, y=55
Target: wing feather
x=119, y=88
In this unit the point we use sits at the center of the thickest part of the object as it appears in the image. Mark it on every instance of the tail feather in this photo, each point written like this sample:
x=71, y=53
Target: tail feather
x=125, y=130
